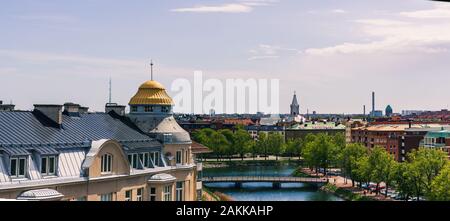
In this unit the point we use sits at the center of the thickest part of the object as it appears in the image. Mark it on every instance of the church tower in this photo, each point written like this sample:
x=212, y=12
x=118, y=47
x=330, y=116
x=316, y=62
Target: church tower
x=295, y=108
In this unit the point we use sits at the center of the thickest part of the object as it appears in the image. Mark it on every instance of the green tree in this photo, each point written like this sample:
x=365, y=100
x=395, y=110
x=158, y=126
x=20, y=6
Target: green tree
x=293, y=147
x=219, y=144
x=276, y=144
x=230, y=148
x=363, y=171
x=403, y=181
x=242, y=142
x=349, y=158
x=262, y=144
x=440, y=186
x=426, y=164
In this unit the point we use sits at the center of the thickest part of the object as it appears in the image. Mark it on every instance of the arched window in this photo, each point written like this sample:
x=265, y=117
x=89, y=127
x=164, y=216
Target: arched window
x=106, y=163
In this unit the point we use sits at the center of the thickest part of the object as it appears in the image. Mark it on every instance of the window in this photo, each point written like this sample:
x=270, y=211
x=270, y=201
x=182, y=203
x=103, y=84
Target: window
x=81, y=198
x=167, y=193
x=18, y=167
x=164, y=109
x=152, y=194
x=148, y=108
x=146, y=160
x=48, y=165
x=139, y=194
x=128, y=195
x=179, y=191
x=106, y=163
x=133, y=158
x=134, y=109
x=179, y=157
x=167, y=138
x=106, y=197
x=154, y=157
x=141, y=159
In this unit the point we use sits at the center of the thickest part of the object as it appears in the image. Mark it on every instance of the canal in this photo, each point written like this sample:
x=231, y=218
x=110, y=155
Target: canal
x=264, y=191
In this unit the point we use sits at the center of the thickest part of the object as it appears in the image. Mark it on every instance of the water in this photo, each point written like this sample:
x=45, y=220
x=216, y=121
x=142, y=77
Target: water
x=264, y=191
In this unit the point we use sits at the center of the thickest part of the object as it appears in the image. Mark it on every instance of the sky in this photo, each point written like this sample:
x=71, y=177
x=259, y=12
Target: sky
x=333, y=53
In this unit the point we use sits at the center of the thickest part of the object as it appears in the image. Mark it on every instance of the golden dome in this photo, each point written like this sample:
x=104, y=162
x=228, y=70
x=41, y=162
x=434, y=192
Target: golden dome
x=151, y=92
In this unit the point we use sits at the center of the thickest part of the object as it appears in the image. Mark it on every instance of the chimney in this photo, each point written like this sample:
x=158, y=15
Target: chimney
x=53, y=112
x=72, y=109
x=373, y=103
x=83, y=110
x=119, y=109
x=6, y=107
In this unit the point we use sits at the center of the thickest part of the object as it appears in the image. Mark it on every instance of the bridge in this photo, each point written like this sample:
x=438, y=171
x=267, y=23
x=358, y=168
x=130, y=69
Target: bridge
x=276, y=181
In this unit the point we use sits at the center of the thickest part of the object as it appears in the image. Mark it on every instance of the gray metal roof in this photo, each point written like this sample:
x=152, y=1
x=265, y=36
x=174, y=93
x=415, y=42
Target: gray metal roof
x=21, y=132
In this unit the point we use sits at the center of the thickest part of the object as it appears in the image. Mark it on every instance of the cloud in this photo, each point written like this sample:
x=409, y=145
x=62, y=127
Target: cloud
x=265, y=51
x=244, y=6
x=381, y=22
x=339, y=11
x=440, y=10
x=401, y=35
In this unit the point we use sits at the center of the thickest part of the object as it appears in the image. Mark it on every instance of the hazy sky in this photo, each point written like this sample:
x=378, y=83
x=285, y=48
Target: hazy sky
x=333, y=53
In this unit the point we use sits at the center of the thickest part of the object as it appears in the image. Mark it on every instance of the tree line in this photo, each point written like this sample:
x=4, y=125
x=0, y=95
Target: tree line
x=426, y=172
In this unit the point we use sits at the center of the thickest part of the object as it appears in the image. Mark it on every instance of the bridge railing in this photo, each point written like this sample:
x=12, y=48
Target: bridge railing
x=264, y=179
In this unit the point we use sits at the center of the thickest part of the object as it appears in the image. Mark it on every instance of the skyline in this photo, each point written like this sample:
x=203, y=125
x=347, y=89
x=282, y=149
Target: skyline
x=332, y=55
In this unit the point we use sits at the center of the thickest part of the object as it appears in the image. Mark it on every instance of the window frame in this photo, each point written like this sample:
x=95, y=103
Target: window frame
x=130, y=197
x=167, y=193
x=179, y=191
x=106, y=163
x=48, y=168
x=17, y=168
x=152, y=194
x=179, y=157
x=108, y=196
x=140, y=196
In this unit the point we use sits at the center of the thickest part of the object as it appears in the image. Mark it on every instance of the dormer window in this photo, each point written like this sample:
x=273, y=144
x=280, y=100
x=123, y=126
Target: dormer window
x=167, y=138
x=18, y=167
x=106, y=164
x=48, y=165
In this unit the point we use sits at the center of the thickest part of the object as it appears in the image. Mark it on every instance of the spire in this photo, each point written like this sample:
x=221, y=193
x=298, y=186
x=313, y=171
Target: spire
x=151, y=67
x=294, y=99
x=295, y=108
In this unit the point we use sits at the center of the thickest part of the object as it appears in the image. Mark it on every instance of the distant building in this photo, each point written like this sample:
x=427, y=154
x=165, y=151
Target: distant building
x=376, y=113
x=389, y=111
x=256, y=130
x=301, y=130
x=397, y=139
x=295, y=107
x=411, y=112
x=437, y=140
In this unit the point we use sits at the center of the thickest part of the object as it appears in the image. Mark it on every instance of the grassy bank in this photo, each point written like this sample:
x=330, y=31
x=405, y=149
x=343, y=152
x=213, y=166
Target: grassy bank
x=344, y=193
x=215, y=196
x=299, y=173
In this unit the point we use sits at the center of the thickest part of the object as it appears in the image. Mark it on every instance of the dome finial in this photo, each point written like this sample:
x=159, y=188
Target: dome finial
x=151, y=69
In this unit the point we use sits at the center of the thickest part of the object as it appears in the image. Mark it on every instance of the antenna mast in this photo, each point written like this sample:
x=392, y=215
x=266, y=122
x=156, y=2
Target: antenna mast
x=110, y=90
